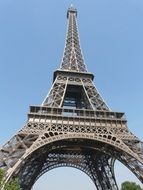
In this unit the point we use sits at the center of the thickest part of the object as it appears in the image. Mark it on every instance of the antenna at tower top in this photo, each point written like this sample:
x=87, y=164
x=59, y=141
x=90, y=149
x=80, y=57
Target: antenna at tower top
x=71, y=9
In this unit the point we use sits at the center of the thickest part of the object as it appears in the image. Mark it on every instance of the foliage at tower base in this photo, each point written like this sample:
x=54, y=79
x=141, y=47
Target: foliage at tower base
x=11, y=185
x=130, y=186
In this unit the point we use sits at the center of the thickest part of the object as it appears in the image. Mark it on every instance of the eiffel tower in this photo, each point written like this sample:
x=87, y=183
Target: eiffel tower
x=73, y=127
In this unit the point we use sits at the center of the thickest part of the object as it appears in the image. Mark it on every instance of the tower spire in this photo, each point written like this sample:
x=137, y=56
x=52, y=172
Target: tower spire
x=72, y=58
x=71, y=9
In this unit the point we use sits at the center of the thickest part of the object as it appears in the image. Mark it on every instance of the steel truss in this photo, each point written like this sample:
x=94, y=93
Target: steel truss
x=73, y=127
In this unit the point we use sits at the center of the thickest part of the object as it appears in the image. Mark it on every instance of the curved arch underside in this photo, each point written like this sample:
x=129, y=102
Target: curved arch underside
x=94, y=158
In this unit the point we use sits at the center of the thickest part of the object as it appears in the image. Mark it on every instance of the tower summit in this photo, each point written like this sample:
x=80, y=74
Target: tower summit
x=71, y=10
x=73, y=127
x=72, y=58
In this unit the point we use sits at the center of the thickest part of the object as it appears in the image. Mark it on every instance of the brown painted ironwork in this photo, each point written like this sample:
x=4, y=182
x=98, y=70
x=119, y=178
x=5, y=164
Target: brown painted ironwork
x=73, y=127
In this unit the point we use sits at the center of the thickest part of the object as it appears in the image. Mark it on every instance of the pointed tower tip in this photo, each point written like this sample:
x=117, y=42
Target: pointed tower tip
x=71, y=9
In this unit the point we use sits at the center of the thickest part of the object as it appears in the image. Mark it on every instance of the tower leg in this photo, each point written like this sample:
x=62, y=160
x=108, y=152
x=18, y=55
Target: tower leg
x=102, y=170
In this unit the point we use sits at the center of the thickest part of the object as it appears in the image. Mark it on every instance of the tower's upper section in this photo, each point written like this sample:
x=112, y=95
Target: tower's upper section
x=72, y=58
x=71, y=10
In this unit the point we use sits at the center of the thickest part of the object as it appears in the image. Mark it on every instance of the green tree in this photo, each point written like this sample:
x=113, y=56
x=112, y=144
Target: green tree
x=1, y=177
x=13, y=184
x=127, y=185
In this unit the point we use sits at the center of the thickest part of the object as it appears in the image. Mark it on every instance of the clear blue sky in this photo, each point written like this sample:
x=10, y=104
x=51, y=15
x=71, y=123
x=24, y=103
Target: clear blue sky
x=32, y=36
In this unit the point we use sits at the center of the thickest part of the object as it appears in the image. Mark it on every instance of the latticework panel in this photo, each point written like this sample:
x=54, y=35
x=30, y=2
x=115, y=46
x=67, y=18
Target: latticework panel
x=57, y=92
x=95, y=98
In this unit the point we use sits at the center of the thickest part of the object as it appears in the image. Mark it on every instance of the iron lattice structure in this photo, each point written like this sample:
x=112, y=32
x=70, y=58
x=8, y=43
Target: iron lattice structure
x=73, y=127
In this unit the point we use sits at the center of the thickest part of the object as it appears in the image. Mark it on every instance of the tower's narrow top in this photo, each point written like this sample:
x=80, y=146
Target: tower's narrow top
x=71, y=9
x=72, y=58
